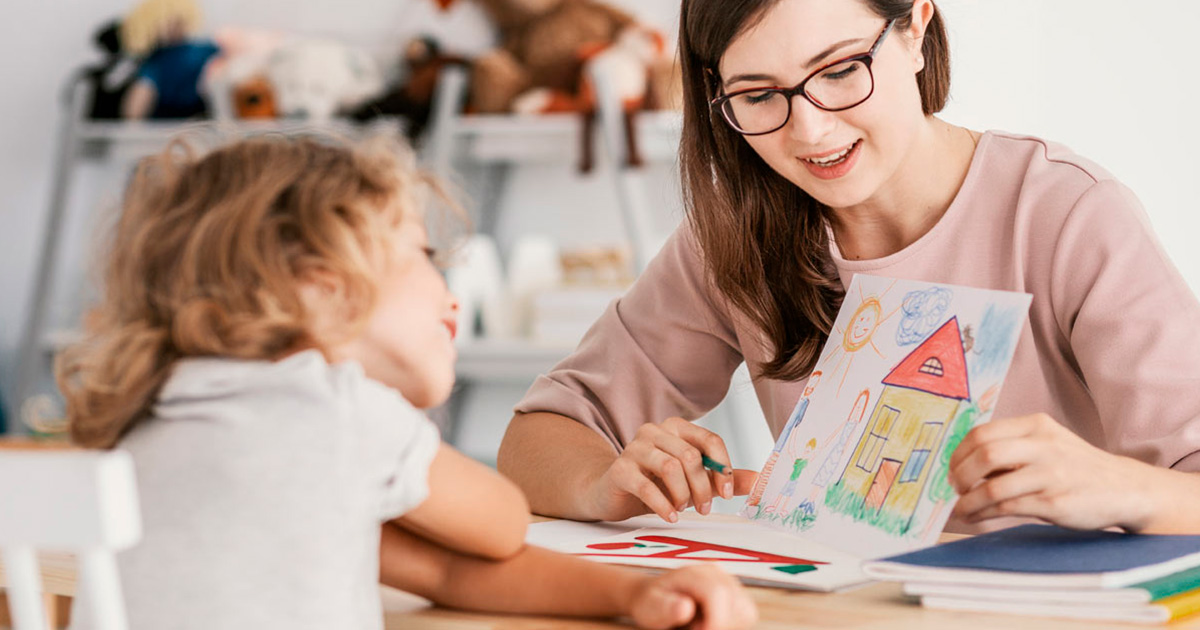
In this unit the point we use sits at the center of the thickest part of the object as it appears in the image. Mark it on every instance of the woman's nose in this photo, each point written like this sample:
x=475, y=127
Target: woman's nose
x=810, y=124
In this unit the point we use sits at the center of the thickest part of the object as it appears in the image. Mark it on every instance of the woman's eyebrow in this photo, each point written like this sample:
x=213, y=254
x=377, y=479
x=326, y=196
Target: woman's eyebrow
x=820, y=57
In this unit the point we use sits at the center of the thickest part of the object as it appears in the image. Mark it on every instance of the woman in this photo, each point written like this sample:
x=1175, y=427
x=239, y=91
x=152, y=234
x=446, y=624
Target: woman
x=810, y=153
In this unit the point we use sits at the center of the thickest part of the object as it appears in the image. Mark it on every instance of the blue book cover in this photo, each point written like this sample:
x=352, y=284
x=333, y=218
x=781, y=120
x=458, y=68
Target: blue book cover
x=1045, y=555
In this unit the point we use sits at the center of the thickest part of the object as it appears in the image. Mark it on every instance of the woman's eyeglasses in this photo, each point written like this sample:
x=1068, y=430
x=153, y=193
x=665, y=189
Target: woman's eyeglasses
x=833, y=87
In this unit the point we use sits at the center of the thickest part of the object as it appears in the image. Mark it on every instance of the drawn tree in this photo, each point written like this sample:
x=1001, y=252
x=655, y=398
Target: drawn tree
x=940, y=489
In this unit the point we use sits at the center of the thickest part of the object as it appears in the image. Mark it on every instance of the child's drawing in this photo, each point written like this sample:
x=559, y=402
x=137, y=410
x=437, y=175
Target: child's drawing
x=747, y=550
x=797, y=415
x=883, y=479
x=657, y=546
x=883, y=454
x=858, y=332
x=922, y=314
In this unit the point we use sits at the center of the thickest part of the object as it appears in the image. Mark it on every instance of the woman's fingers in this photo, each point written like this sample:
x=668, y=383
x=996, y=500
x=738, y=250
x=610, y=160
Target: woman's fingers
x=663, y=467
x=690, y=460
x=743, y=482
x=998, y=430
x=629, y=477
x=991, y=459
x=707, y=443
x=1001, y=488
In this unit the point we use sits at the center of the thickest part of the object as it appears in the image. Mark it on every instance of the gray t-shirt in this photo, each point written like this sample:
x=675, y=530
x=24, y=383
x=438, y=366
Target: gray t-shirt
x=263, y=486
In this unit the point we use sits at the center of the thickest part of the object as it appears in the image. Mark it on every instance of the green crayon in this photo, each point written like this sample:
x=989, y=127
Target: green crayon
x=713, y=464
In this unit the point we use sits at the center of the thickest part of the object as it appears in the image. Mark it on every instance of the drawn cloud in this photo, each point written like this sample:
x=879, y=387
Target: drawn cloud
x=923, y=312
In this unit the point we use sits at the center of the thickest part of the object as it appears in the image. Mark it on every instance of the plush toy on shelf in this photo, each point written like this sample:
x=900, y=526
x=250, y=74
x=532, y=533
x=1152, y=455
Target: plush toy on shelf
x=319, y=78
x=109, y=80
x=412, y=98
x=236, y=82
x=164, y=34
x=548, y=50
x=542, y=43
x=626, y=65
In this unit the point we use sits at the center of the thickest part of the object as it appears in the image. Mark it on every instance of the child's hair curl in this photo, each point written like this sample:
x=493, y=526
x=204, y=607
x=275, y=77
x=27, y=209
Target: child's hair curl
x=210, y=252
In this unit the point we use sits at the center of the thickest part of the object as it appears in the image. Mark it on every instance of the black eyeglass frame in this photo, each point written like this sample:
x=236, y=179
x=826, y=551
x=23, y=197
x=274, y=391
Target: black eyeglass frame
x=866, y=58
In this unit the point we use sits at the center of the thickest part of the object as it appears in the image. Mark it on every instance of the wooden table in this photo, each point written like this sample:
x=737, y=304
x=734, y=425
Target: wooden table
x=879, y=606
x=876, y=607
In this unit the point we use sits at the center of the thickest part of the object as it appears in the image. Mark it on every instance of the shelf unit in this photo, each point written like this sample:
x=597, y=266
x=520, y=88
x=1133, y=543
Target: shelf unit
x=496, y=143
x=486, y=140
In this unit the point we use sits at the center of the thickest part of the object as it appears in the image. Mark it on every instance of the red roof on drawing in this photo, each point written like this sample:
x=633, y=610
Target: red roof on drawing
x=938, y=366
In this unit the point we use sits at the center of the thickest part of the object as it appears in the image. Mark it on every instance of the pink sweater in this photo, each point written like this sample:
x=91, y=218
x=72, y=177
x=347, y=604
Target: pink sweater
x=1112, y=349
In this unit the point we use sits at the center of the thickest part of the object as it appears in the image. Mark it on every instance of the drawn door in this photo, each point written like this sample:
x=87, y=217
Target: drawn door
x=882, y=484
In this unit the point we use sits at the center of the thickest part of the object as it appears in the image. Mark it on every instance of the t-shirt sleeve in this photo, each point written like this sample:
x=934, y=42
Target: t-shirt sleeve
x=666, y=348
x=1133, y=325
x=397, y=443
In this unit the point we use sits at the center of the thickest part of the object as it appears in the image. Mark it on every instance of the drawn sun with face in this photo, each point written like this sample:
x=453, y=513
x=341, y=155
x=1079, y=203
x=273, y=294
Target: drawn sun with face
x=859, y=333
x=862, y=325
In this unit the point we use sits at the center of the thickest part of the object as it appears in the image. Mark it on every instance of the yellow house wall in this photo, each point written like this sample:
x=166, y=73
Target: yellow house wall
x=919, y=409
x=916, y=408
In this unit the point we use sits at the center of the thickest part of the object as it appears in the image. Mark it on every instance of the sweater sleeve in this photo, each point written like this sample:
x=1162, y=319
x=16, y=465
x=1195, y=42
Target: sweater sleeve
x=663, y=349
x=1133, y=326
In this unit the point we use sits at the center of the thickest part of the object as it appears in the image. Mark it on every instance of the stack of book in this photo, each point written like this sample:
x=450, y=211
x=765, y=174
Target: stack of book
x=1050, y=571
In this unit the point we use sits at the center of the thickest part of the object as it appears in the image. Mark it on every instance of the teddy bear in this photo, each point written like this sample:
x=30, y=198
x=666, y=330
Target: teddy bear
x=549, y=50
x=543, y=44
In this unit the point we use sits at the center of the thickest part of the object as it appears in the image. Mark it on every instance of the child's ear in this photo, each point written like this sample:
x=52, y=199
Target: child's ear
x=323, y=294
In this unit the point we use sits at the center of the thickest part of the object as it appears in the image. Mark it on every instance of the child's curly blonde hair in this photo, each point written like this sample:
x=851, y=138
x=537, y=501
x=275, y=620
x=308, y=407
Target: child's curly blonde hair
x=209, y=254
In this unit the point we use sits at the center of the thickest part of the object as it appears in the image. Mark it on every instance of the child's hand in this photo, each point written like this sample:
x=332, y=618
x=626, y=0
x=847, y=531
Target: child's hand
x=703, y=596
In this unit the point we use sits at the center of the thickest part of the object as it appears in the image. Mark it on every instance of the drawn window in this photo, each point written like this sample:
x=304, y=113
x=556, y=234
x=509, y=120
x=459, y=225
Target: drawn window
x=925, y=444
x=868, y=459
x=933, y=366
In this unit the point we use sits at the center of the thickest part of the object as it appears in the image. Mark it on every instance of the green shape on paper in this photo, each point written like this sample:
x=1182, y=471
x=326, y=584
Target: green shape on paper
x=795, y=568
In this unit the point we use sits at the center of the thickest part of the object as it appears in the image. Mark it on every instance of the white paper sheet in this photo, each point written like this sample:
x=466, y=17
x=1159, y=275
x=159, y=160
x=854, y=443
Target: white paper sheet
x=909, y=368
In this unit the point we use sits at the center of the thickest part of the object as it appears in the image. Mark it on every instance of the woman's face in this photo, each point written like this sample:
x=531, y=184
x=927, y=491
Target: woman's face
x=840, y=158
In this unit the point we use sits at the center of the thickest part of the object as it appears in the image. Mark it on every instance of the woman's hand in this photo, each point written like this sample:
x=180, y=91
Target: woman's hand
x=661, y=471
x=1033, y=466
x=702, y=594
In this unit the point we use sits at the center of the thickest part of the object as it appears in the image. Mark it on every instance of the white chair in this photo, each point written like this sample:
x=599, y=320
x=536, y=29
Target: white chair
x=82, y=502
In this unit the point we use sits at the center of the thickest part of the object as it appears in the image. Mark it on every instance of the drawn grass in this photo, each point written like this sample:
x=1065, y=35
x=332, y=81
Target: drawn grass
x=842, y=500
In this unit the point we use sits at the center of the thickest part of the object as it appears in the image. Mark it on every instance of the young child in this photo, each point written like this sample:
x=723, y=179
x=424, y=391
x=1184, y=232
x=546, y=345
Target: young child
x=271, y=324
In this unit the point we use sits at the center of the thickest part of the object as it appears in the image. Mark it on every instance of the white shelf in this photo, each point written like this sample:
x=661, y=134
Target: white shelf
x=507, y=360
x=158, y=133
x=490, y=360
x=521, y=138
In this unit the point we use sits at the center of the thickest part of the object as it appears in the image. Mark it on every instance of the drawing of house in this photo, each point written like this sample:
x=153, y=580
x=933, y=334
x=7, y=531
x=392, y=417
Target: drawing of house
x=890, y=465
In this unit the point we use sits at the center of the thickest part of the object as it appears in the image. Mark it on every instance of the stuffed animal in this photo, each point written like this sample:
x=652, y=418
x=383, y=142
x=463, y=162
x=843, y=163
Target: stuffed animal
x=626, y=65
x=237, y=82
x=317, y=78
x=546, y=47
x=109, y=80
x=254, y=99
x=543, y=45
x=413, y=97
x=164, y=34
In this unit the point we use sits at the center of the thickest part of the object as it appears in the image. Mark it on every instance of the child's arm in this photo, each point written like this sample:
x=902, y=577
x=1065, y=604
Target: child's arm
x=539, y=581
x=471, y=508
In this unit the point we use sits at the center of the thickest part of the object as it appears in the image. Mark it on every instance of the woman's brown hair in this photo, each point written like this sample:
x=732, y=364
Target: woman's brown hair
x=208, y=256
x=764, y=241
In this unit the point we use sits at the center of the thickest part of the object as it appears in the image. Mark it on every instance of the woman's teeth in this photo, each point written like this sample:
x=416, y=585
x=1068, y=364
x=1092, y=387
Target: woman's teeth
x=830, y=160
